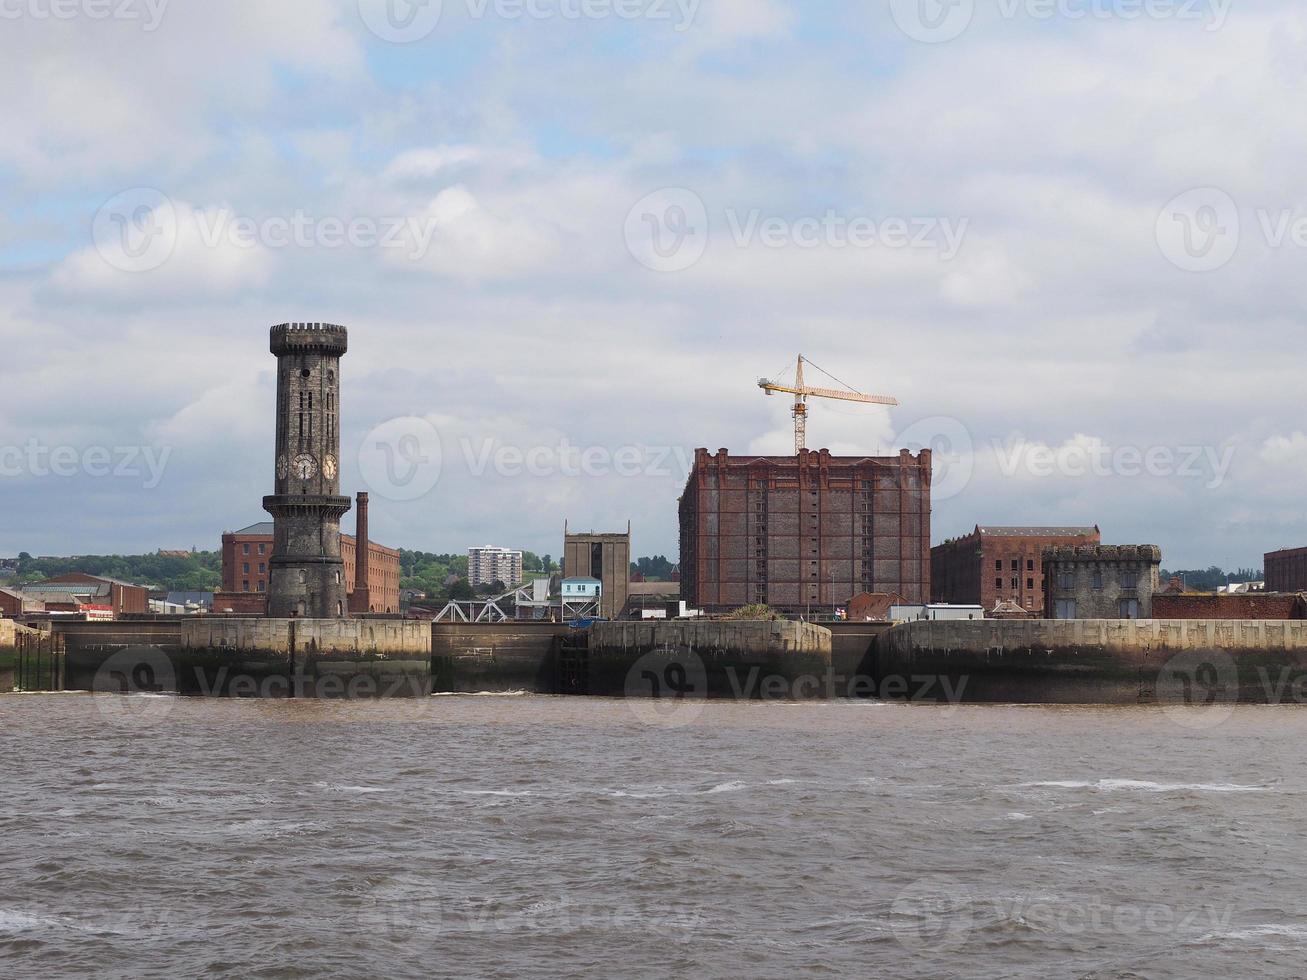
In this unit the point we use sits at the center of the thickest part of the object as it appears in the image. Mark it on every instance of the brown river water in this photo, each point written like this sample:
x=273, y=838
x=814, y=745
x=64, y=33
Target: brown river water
x=503, y=836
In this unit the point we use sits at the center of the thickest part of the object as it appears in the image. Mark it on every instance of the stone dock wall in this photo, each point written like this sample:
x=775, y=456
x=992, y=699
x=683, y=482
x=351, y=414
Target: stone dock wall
x=514, y=656
x=251, y=657
x=713, y=659
x=8, y=633
x=1095, y=661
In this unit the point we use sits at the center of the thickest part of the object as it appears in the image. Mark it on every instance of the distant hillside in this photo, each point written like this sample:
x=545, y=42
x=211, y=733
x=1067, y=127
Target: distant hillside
x=199, y=571
x=1210, y=579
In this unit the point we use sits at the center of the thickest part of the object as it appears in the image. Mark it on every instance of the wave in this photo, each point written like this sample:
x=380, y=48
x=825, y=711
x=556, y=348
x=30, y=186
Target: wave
x=482, y=694
x=1143, y=785
x=1296, y=934
x=338, y=788
x=496, y=792
x=14, y=920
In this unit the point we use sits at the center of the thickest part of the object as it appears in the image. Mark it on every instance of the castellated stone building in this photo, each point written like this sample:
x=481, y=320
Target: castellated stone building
x=1102, y=581
x=306, y=574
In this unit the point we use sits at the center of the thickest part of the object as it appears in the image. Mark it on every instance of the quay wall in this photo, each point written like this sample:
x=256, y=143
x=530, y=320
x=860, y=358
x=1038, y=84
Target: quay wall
x=513, y=656
x=250, y=657
x=853, y=647
x=8, y=638
x=713, y=658
x=1095, y=661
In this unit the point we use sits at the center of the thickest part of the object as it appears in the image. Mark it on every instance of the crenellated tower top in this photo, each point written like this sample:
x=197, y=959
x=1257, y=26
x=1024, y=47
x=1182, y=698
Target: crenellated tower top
x=305, y=338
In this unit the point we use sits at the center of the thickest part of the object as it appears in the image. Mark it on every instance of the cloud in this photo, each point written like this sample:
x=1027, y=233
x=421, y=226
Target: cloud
x=527, y=319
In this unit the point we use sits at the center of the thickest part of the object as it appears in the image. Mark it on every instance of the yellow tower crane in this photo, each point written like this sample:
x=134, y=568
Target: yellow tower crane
x=802, y=393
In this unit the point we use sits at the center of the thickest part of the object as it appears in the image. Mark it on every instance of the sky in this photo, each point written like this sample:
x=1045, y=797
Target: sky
x=569, y=236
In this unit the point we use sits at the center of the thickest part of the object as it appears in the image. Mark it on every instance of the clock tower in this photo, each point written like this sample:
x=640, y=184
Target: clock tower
x=306, y=577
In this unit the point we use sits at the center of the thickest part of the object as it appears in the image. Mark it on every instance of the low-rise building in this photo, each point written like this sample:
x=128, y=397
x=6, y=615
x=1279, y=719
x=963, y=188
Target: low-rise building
x=1102, y=581
x=96, y=595
x=652, y=600
x=934, y=611
x=872, y=607
x=1208, y=605
x=14, y=604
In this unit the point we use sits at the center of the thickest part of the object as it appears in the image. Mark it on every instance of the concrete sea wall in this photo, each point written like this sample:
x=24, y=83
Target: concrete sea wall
x=251, y=657
x=853, y=647
x=1094, y=661
x=716, y=659
x=512, y=656
x=8, y=632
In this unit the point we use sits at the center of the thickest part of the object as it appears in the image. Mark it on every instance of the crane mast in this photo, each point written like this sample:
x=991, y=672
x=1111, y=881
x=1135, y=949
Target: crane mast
x=802, y=393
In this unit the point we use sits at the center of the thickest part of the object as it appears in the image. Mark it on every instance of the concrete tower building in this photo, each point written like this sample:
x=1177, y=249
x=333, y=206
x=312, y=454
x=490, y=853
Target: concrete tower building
x=306, y=576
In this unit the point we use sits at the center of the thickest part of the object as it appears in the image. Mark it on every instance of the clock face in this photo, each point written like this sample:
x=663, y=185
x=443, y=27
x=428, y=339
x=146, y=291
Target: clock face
x=283, y=467
x=329, y=467
x=304, y=466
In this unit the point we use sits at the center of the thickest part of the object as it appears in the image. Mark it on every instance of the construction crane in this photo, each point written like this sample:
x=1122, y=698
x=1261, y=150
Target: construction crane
x=802, y=393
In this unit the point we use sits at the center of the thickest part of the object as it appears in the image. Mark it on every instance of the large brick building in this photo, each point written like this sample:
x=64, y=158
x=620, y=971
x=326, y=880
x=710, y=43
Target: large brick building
x=246, y=560
x=1286, y=570
x=1000, y=564
x=804, y=533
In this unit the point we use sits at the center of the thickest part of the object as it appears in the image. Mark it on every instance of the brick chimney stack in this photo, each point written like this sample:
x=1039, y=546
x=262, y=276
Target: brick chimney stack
x=361, y=599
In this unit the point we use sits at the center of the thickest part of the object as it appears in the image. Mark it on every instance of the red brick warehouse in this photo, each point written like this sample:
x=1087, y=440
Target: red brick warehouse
x=996, y=564
x=804, y=533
